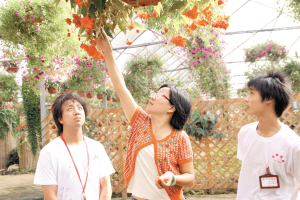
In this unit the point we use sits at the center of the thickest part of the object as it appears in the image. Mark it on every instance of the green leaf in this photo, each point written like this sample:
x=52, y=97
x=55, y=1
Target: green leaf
x=139, y=26
x=56, y=2
x=177, y=5
x=158, y=8
x=100, y=4
x=108, y=31
x=116, y=4
x=203, y=3
x=92, y=10
x=72, y=2
x=81, y=30
x=84, y=10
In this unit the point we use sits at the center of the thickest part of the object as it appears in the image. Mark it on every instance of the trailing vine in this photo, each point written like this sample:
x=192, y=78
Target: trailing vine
x=8, y=122
x=31, y=102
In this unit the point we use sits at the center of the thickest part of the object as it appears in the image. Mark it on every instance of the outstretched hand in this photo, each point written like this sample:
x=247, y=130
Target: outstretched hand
x=103, y=42
x=164, y=181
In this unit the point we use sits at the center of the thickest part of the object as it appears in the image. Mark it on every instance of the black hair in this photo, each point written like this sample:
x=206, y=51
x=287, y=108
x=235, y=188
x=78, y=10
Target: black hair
x=182, y=104
x=276, y=86
x=57, y=111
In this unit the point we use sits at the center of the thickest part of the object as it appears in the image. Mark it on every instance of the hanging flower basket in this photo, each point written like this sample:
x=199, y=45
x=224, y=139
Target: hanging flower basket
x=149, y=63
x=115, y=99
x=52, y=90
x=10, y=99
x=100, y=96
x=108, y=98
x=12, y=69
x=82, y=94
x=89, y=95
x=141, y=3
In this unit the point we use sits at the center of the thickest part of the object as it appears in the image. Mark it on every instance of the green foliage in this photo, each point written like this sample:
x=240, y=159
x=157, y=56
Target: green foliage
x=40, y=27
x=8, y=88
x=51, y=83
x=269, y=50
x=13, y=158
x=9, y=120
x=31, y=103
x=199, y=126
x=294, y=7
x=292, y=69
x=142, y=76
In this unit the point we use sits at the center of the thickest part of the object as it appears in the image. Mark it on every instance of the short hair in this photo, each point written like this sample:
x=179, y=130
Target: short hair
x=57, y=111
x=183, y=107
x=276, y=86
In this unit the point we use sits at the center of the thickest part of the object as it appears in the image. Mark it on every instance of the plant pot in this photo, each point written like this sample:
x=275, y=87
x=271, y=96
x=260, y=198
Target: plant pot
x=82, y=94
x=100, y=96
x=108, y=98
x=89, y=95
x=149, y=63
x=142, y=3
x=99, y=124
x=12, y=69
x=34, y=21
x=115, y=99
x=52, y=90
x=10, y=99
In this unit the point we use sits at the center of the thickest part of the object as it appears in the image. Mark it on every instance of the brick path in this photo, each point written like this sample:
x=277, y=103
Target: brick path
x=20, y=187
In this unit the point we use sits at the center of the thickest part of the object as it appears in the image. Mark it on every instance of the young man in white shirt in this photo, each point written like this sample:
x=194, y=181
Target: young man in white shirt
x=269, y=150
x=73, y=166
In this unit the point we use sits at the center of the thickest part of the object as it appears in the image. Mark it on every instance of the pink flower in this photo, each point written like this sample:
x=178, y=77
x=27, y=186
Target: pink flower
x=17, y=12
x=38, y=29
x=23, y=19
x=37, y=77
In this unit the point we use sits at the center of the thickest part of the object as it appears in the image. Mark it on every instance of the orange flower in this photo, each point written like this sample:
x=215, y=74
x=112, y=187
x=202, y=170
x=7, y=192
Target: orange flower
x=166, y=30
x=193, y=14
x=68, y=20
x=93, y=42
x=78, y=2
x=155, y=14
x=179, y=41
x=220, y=2
x=144, y=16
x=132, y=27
x=194, y=26
x=89, y=31
x=135, y=12
x=128, y=42
x=202, y=22
x=188, y=29
x=84, y=46
x=86, y=3
x=137, y=30
x=148, y=16
x=87, y=22
x=98, y=55
x=69, y=34
x=208, y=13
x=76, y=21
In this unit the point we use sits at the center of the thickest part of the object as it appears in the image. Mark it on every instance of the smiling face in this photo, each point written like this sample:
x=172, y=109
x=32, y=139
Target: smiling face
x=254, y=103
x=73, y=114
x=160, y=105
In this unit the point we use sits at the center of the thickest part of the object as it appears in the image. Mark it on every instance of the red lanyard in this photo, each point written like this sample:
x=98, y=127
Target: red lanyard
x=83, y=187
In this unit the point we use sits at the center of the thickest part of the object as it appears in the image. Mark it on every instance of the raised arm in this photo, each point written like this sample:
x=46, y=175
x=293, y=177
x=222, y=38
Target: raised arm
x=127, y=101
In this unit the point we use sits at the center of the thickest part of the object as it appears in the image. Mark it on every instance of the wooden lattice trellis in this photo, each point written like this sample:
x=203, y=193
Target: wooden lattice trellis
x=215, y=162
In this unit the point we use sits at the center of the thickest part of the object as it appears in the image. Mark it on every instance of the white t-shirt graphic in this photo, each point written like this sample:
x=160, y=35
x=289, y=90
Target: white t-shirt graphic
x=281, y=153
x=55, y=167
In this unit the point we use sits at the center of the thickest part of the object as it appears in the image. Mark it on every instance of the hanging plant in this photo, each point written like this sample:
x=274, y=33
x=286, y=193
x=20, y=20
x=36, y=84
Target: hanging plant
x=52, y=86
x=270, y=51
x=37, y=29
x=9, y=120
x=292, y=69
x=200, y=126
x=8, y=88
x=31, y=102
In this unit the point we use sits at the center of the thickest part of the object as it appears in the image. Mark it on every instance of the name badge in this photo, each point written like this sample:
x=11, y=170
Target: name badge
x=269, y=181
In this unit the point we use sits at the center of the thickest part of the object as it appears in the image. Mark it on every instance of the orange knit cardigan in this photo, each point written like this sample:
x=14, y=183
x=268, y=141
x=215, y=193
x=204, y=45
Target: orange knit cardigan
x=173, y=150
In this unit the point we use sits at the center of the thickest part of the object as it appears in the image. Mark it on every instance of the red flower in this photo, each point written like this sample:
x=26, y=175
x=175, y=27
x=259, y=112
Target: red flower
x=87, y=22
x=68, y=20
x=220, y=2
x=166, y=30
x=76, y=21
x=193, y=14
x=128, y=42
x=155, y=14
x=78, y=2
x=69, y=34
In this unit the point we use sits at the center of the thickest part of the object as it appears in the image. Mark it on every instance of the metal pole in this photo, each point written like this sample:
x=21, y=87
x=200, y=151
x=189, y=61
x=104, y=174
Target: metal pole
x=43, y=107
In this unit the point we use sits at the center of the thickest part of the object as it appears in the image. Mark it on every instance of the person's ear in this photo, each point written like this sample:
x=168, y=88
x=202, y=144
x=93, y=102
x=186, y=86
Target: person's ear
x=172, y=109
x=269, y=101
x=60, y=120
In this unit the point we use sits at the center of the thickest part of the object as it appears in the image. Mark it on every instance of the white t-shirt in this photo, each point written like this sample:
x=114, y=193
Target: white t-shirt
x=55, y=167
x=281, y=152
x=142, y=182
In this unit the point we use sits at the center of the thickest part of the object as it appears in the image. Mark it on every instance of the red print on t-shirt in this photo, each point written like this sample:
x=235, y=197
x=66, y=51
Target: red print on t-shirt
x=278, y=158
